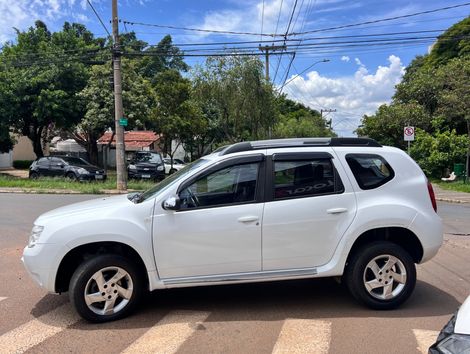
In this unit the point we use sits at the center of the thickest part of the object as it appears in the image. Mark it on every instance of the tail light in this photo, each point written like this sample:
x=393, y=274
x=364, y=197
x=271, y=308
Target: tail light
x=432, y=196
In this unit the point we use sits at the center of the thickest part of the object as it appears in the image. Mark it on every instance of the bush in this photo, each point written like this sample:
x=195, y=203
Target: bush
x=22, y=164
x=438, y=152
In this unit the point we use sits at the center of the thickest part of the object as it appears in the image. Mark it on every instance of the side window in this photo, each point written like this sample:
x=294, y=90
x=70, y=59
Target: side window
x=43, y=162
x=55, y=161
x=370, y=171
x=231, y=185
x=305, y=178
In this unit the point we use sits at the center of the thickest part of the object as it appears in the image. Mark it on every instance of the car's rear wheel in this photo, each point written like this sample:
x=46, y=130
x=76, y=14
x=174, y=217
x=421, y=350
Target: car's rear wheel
x=34, y=175
x=105, y=288
x=381, y=275
x=71, y=176
x=173, y=170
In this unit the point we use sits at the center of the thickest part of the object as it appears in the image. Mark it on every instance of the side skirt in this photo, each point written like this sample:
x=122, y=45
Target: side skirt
x=271, y=275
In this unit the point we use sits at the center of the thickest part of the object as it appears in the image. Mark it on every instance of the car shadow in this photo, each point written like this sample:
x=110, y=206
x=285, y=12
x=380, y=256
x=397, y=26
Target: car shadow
x=270, y=301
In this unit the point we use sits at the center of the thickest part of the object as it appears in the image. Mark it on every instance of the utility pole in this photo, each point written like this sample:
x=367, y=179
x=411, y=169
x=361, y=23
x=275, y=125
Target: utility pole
x=118, y=110
x=267, y=49
x=327, y=111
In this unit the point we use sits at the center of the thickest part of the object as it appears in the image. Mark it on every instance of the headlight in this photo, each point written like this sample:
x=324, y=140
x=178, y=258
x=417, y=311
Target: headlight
x=456, y=343
x=132, y=167
x=160, y=168
x=35, y=234
x=82, y=171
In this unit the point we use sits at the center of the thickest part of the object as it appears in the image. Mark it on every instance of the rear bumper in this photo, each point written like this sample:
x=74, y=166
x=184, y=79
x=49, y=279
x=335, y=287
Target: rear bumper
x=430, y=232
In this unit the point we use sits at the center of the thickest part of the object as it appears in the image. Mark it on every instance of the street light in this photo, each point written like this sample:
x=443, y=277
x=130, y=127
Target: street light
x=309, y=67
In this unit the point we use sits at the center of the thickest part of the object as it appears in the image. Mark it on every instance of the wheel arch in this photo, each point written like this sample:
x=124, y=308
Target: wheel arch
x=77, y=255
x=401, y=236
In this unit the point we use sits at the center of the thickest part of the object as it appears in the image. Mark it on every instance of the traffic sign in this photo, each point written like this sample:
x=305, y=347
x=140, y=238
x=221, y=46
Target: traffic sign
x=409, y=133
x=123, y=122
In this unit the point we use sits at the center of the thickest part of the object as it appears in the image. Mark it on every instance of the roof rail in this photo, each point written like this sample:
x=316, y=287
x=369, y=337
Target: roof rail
x=297, y=142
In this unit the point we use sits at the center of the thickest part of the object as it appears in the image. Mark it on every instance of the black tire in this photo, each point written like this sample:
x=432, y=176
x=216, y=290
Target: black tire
x=82, y=278
x=71, y=176
x=173, y=170
x=357, y=273
x=34, y=175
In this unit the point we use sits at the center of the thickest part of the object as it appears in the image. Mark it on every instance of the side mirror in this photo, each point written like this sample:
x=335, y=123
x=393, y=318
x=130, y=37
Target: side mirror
x=172, y=203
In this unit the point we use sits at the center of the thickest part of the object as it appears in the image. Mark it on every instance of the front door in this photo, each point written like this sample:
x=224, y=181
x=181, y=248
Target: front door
x=307, y=211
x=218, y=228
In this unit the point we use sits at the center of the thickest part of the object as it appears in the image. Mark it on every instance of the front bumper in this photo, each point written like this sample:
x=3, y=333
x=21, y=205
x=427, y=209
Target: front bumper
x=152, y=175
x=40, y=263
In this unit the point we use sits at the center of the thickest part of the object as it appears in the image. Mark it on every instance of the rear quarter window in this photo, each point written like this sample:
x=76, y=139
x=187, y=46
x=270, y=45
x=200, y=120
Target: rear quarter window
x=371, y=171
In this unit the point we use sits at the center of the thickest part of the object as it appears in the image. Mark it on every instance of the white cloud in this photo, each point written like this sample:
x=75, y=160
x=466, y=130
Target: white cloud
x=345, y=58
x=352, y=96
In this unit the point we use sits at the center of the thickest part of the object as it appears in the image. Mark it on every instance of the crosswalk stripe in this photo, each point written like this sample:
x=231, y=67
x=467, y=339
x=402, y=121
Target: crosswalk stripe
x=3, y=298
x=35, y=331
x=169, y=334
x=303, y=336
x=425, y=339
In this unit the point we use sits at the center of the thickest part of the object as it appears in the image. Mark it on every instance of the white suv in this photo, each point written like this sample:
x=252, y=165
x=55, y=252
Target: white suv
x=249, y=212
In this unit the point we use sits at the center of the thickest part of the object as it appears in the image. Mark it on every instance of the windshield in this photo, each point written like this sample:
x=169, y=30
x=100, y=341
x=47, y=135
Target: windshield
x=170, y=179
x=148, y=157
x=74, y=160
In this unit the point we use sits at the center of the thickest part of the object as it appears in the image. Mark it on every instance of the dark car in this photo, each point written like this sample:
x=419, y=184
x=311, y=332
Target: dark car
x=146, y=165
x=74, y=168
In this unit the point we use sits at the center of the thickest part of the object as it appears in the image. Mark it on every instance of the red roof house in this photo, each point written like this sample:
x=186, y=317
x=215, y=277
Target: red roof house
x=133, y=140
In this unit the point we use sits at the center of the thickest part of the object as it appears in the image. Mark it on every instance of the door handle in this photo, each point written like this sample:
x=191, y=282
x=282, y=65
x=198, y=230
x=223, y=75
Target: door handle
x=248, y=218
x=336, y=210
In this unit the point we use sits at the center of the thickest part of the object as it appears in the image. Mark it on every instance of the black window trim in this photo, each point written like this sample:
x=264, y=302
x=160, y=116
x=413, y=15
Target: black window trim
x=300, y=156
x=239, y=160
x=372, y=156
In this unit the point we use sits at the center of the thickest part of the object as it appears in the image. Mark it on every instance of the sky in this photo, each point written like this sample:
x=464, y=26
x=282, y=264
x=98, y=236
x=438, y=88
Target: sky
x=354, y=81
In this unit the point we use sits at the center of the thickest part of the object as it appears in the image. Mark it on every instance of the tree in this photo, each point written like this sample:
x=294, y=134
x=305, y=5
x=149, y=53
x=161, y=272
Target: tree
x=97, y=100
x=296, y=120
x=235, y=98
x=42, y=74
x=177, y=117
x=386, y=125
x=454, y=98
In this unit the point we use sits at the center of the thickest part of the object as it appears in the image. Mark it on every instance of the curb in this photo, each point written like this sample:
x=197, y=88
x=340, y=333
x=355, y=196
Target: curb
x=448, y=200
x=58, y=191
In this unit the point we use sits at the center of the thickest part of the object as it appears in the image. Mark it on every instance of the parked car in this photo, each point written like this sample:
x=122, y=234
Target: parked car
x=455, y=336
x=177, y=165
x=146, y=165
x=74, y=168
x=252, y=211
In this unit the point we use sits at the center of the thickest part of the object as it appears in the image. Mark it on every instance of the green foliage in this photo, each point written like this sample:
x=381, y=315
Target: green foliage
x=39, y=95
x=177, y=116
x=237, y=101
x=437, y=153
x=22, y=164
x=298, y=121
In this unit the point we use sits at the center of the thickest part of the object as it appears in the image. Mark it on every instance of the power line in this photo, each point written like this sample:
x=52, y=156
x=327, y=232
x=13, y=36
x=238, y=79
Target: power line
x=99, y=18
x=202, y=30
x=303, y=71
x=383, y=19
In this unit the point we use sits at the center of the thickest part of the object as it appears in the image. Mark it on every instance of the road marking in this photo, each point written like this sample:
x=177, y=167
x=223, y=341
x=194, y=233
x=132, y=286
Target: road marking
x=36, y=331
x=303, y=336
x=425, y=339
x=169, y=334
x=3, y=298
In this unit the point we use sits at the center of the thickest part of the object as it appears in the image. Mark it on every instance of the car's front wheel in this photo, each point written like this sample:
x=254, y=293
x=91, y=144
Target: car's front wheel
x=105, y=288
x=381, y=275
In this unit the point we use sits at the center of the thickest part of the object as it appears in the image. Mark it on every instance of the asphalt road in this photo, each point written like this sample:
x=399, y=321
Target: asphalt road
x=315, y=316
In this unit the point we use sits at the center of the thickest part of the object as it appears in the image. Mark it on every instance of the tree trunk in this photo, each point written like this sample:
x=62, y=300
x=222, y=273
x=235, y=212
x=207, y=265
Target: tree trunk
x=35, y=137
x=467, y=165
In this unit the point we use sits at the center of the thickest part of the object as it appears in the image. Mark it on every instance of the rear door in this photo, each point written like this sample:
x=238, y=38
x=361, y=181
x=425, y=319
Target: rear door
x=309, y=206
x=57, y=167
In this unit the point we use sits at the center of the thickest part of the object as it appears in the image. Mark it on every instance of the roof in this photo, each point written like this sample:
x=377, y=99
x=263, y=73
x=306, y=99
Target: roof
x=133, y=140
x=297, y=142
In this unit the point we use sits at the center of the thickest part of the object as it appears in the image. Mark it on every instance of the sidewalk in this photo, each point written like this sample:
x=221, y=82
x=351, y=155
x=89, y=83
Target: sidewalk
x=444, y=195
